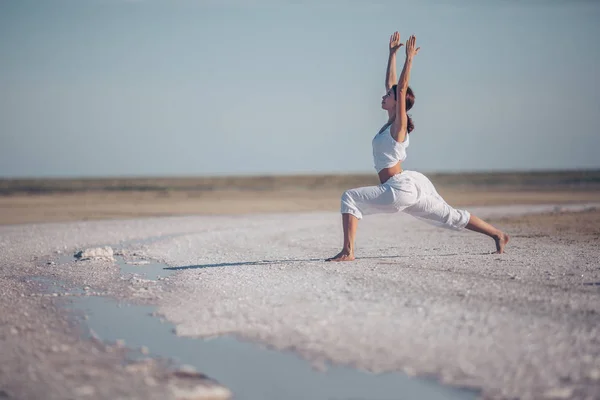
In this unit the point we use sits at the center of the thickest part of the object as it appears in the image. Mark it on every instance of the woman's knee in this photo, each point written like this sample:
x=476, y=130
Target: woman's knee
x=349, y=205
x=440, y=213
x=348, y=198
x=460, y=219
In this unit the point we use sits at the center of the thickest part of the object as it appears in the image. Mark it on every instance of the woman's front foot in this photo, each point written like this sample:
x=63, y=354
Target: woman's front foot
x=344, y=255
x=501, y=241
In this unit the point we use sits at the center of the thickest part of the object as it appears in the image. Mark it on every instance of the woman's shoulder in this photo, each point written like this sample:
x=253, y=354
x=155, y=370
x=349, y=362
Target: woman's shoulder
x=401, y=143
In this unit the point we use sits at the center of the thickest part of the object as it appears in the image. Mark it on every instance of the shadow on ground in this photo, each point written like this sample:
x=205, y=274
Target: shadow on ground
x=269, y=262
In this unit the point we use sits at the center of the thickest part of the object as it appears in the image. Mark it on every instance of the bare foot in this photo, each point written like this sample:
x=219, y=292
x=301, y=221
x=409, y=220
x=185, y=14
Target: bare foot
x=343, y=255
x=501, y=242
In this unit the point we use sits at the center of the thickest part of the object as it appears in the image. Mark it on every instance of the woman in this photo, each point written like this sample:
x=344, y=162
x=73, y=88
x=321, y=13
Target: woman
x=407, y=191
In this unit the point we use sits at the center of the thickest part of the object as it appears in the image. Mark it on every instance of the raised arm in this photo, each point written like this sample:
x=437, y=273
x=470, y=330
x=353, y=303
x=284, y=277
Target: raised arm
x=390, y=74
x=400, y=125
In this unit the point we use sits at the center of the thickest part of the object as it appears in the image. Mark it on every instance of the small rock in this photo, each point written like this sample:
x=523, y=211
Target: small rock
x=54, y=294
x=86, y=288
x=98, y=253
x=14, y=331
x=50, y=263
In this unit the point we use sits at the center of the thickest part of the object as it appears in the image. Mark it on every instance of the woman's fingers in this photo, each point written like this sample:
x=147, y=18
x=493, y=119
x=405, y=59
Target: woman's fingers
x=410, y=45
x=410, y=42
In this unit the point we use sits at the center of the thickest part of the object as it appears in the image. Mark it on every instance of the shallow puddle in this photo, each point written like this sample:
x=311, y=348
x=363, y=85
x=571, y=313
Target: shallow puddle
x=249, y=370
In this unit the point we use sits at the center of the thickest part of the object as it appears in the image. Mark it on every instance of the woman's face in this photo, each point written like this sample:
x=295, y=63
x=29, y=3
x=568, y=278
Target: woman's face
x=387, y=101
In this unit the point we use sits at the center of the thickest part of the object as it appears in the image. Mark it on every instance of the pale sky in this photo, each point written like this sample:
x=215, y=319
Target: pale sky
x=201, y=88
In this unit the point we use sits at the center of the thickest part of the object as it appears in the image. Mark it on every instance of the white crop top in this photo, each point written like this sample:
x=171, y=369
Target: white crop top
x=387, y=151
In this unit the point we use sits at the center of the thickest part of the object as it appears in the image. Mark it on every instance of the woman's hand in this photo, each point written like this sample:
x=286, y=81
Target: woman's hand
x=410, y=47
x=395, y=42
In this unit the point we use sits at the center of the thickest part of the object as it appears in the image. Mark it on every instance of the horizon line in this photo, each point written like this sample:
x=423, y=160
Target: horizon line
x=298, y=175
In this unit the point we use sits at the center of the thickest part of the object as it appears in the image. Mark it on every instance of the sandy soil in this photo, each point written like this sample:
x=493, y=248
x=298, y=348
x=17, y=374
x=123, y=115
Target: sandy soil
x=553, y=299
x=58, y=200
x=580, y=227
x=98, y=205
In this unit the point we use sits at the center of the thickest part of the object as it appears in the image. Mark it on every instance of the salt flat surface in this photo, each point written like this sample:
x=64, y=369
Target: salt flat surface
x=418, y=298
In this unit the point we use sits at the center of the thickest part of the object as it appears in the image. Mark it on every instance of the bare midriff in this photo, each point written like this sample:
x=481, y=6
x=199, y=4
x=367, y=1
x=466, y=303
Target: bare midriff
x=387, y=173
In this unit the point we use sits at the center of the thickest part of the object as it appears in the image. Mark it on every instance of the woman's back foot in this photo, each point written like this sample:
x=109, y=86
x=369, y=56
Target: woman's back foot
x=342, y=256
x=501, y=241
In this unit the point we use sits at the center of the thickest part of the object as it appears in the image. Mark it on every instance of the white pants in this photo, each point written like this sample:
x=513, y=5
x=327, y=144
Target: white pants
x=408, y=191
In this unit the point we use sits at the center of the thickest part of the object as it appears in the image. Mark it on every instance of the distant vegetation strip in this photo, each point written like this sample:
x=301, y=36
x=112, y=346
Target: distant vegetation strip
x=568, y=179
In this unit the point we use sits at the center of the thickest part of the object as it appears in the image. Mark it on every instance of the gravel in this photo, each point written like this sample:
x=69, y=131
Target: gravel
x=418, y=299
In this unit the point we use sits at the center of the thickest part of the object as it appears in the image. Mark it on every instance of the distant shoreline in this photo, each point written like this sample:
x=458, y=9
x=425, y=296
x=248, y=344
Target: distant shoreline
x=61, y=200
x=575, y=179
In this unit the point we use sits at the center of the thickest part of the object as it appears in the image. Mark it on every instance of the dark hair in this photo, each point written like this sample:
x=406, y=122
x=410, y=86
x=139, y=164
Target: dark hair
x=410, y=101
